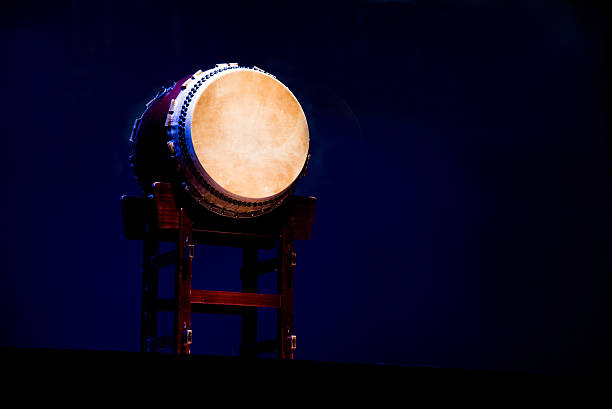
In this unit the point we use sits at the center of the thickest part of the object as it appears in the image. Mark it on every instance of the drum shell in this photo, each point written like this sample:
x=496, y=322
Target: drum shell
x=152, y=159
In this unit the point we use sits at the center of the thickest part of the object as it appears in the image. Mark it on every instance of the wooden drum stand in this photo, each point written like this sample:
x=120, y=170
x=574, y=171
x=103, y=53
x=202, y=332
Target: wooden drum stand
x=157, y=218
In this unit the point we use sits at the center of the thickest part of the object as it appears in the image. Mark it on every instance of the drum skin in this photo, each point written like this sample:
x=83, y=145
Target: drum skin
x=234, y=139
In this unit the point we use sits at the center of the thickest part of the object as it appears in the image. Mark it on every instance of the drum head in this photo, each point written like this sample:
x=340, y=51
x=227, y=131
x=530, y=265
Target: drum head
x=249, y=133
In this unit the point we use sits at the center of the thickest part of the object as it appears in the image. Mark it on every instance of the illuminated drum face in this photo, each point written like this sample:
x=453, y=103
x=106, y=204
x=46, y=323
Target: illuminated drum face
x=249, y=133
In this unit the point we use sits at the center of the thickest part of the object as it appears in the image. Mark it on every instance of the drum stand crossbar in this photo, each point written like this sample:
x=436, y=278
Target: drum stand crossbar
x=157, y=218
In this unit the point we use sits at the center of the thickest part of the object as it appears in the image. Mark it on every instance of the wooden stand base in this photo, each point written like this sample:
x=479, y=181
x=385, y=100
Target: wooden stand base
x=158, y=218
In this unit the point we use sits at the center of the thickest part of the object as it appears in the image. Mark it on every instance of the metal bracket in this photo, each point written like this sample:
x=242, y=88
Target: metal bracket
x=187, y=336
x=292, y=259
x=186, y=83
x=170, y=147
x=189, y=250
x=292, y=342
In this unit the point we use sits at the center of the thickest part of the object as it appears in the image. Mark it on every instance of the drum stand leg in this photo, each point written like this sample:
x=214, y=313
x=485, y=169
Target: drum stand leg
x=285, y=281
x=182, y=285
x=181, y=258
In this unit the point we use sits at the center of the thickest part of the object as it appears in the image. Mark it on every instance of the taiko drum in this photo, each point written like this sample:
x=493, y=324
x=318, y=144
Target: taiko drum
x=234, y=138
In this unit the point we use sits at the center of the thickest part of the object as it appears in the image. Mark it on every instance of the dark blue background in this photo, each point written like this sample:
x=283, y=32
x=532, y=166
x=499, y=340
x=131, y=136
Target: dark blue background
x=459, y=157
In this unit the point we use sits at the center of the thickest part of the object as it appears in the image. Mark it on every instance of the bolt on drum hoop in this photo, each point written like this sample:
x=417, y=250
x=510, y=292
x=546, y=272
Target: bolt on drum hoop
x=234, y=138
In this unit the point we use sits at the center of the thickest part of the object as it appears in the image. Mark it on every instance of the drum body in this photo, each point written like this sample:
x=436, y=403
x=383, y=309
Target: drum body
x=235, y=139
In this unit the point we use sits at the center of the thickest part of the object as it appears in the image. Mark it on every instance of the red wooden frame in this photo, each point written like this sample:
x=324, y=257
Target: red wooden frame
x=158, y=218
